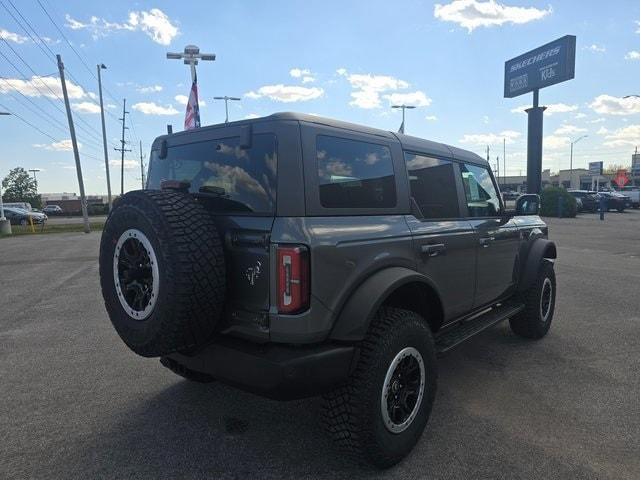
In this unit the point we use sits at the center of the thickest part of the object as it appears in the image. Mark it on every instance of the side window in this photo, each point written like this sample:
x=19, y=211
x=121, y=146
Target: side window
x=482, y=198
x=433, y=185
x=354, y=174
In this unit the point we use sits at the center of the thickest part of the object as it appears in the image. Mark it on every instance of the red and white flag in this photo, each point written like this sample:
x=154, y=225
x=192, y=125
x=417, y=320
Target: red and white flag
x=192, y=115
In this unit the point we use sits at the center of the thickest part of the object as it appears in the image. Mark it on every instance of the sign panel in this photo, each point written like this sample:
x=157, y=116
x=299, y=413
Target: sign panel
x=552, y=63
x=595, y=168
x=635, y=164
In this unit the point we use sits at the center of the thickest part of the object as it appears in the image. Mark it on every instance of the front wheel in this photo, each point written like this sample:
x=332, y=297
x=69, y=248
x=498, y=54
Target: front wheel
x=539, y=301
x=382, y=411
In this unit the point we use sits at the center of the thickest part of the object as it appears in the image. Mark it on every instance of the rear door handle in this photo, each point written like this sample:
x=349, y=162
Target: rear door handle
x=486, y=241
x=434, y=249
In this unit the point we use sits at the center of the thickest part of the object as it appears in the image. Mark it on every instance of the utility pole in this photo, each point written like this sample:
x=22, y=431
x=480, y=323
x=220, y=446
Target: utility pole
x=5, y=225
x=403, y=107
x=100, y=67
x=226, y=105
x=142, y=165
x=122, y=144
x=488, y=158
x=498, y=167
x=34, y=171
x=74, y=143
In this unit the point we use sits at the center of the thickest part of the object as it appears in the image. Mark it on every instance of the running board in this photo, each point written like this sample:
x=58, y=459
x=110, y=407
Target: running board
x=457, y=334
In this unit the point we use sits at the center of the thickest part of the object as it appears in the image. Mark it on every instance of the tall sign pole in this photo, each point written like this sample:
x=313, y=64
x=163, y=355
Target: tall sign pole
x=74, y=143
x=539, y=68
x=141, y=165
x=104, y=136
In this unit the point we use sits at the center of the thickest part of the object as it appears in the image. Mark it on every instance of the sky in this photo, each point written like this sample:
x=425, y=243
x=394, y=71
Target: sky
x=345, y=60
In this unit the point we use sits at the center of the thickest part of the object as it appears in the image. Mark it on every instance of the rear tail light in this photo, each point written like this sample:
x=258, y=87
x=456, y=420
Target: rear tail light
x=293, y=278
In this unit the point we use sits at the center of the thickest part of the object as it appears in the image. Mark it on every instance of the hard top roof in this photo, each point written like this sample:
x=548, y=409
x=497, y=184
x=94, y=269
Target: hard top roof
x=408, y=142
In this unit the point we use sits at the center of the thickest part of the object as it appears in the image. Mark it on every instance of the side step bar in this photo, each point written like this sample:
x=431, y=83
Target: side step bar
x=453, y=336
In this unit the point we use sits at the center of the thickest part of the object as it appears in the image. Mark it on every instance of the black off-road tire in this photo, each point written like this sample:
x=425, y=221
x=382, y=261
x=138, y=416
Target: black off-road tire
x=532, y=322
x=190, y=269
x=352, y=414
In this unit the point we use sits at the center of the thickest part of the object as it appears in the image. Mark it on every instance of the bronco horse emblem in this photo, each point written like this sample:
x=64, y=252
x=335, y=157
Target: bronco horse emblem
x=253, y=273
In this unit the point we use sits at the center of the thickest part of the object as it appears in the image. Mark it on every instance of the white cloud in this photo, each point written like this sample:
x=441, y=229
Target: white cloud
x=12, y=37
x=61, y=146
x=417, y=99
x=472, y=14
x=632, y=55
x=431, y=118
x=551, y=109
x=154, y=23
x=183, y=99
x=556, y=142
x=602, y=131
x=152, y=108
x=509, y=136
x=251, y=115
x=610, y=105
x=128, y=164
x=38, y=86
x=626, y=136
x=368, y=88
x=598, y=120
x=85, y=107
x=595, y=48
x=308, y=79
x=637, y=22
x=150, y=89
x=567, y=129
x=286, y=93
x=580, y=115
x=299, y=72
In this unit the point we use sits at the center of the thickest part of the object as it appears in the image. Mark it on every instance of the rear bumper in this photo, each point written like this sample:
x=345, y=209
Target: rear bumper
x=275, y=371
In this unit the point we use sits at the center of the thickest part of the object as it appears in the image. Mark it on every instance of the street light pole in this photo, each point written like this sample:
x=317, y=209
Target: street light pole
x=226, y=105
x=191, y=55
x=100, y=67
x=571, y=160
x=403, y=107
x=5, y=225
x=34, y=171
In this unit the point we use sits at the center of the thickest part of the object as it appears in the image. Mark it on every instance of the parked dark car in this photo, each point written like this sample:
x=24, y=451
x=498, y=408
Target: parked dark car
x=616, y=201
x=52, y=210
x=586, y=200
x=18, y=216
x=510, y=195
x=381, y=252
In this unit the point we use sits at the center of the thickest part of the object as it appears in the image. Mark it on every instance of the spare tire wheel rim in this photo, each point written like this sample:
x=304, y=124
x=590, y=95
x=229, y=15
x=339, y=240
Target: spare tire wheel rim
x=403, y=390
x=135, y=274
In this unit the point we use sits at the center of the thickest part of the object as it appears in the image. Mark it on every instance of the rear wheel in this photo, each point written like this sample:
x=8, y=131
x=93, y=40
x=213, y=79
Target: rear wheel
x=539, y=300
x=382, y=411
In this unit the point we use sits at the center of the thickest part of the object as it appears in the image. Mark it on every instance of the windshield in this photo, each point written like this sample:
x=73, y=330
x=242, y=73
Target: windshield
x=241, y=180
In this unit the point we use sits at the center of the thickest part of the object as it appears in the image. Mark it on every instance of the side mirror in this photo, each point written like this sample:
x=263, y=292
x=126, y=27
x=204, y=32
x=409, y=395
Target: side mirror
x=528, y=204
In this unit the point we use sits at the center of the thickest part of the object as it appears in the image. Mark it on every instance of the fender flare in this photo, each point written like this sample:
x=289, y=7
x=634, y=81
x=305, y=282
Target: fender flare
x=540, y=249
x=355, y=317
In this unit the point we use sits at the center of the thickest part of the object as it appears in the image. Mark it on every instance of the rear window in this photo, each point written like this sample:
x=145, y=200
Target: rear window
x=354, y=174
x=243, y=179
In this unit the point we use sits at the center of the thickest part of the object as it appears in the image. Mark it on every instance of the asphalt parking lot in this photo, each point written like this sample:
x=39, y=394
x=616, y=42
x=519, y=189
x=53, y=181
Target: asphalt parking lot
x=76, y=403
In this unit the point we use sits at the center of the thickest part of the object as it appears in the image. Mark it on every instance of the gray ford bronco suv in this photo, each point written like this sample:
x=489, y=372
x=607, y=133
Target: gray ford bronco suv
x=295, y=256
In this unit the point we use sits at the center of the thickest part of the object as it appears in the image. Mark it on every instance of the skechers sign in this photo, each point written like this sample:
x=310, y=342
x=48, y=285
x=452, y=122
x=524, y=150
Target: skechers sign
x=552, y=63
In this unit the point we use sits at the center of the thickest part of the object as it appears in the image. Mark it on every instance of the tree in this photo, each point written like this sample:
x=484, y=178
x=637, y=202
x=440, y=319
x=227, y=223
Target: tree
x=613, y=168
x=18, y=186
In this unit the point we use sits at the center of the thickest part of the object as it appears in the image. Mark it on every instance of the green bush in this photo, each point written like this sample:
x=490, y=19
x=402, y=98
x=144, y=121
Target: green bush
x=550, y=197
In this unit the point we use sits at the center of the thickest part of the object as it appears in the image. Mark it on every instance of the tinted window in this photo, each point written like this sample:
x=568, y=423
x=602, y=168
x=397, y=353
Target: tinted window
x=354, y=174
x=482, y=198
x=433, y=185
x=243, y=180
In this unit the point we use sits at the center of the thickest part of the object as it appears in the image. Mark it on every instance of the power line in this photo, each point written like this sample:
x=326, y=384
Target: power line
x=28, y=123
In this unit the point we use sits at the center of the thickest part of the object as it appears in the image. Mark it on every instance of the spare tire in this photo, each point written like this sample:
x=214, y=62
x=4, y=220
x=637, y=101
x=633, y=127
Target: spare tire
x=162, y=272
